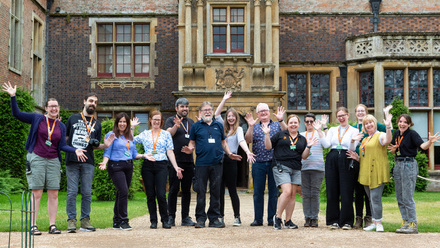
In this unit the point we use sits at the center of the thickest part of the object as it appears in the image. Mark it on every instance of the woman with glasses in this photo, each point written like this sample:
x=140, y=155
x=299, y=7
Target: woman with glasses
x=46, y=140
x=339, y=171
x=234, y=138
x=158, y=146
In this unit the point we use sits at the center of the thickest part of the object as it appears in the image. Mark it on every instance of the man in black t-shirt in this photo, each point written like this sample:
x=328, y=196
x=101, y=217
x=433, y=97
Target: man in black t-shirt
x=83, y=132
x=179, y=126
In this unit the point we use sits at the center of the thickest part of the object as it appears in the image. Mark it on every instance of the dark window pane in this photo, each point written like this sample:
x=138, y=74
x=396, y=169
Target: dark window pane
x=366, y=85
x=296, y=91
x=436, y=87
x=418, y=87
x=105, y=33
x=393, y=85
x=319, y=85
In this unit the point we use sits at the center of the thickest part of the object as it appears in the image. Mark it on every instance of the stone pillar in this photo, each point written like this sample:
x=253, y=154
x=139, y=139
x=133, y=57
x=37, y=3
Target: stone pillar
x=200, y=41
x=257, y=30
x=268, y=31
x=276, y=43
x=188, y=55
x=181, y=28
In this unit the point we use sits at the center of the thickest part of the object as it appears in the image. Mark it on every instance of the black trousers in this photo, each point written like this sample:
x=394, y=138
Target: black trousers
x=212, y=173
x=155, y=175
x=176, y=184
x=360, y=196
x=229, y=180
x=339, y=180
x=121, y=173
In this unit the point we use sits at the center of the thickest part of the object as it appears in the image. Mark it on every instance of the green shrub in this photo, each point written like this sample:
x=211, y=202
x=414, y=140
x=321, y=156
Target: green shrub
x=13, y=135
x=64, y=115
x=398, y=109
x=8, y=184
x=422, y=160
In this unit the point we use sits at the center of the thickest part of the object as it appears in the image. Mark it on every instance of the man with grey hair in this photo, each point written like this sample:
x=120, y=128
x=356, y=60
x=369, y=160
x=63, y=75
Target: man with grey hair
x=207, y=136
x=263, y=164
x=179, y=127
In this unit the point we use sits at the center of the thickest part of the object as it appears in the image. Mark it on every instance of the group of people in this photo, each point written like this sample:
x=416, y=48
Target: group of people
x=356, y=168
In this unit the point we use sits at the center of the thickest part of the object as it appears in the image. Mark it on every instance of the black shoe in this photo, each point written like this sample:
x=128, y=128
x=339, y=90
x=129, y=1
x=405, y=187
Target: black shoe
x=171, y=221
x=277, y=223
x=314, y=223
x=256, y=223
x=308, y=222
x=153, y=225
x=270, y=223
x=116, y=226
x=125, y=226
x=290, y=225
x=187, y=221
x=166, y=225
x=217, y=224
x=200, y=224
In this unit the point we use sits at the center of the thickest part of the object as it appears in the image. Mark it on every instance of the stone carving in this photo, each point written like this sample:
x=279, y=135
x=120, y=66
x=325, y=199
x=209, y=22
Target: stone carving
x=436, y=46
x=418, y=46
x=364, y=47
x=394, y=46
x=121, y=85
x=229, y=78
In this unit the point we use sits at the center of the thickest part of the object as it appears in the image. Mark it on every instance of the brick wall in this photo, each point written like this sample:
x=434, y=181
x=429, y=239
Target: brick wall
x=68, y=60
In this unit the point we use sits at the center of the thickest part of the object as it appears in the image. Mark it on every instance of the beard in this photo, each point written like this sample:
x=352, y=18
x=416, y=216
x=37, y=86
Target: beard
x=207, y=118
x=90, y=110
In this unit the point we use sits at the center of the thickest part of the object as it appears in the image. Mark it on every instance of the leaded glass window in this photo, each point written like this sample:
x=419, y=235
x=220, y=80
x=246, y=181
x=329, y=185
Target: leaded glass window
x=319, y=90
x=297, y=91
x=436, y=87
x=366, y=86
x=418, y=87
x=393, y=85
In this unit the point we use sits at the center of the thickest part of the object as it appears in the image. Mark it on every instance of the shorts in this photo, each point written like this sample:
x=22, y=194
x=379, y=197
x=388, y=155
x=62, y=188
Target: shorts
x=287, y=175
x=45, y=173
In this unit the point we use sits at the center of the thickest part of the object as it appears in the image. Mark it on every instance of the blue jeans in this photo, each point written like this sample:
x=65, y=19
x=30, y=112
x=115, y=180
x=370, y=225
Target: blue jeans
x=74, y=173
x=259, y=172
x=311, y=186
x=405, y=176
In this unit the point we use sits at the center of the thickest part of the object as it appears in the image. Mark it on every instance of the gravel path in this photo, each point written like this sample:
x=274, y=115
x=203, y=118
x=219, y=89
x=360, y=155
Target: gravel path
x=244, y=236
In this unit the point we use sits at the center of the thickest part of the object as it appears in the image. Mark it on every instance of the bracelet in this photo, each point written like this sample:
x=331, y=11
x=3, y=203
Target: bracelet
x=281, y=120
x=131, y=128
x=325, y=128
x=389, y=128
x=229, y=154
x=308, y=147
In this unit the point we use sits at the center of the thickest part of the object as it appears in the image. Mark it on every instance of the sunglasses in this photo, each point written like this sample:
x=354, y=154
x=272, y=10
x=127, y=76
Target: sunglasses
x=308, y=121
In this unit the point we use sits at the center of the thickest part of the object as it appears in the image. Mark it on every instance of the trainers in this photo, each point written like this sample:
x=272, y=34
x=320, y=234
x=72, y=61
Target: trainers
x=116, y=226
x=334, y=226
x=217, y=223
x=403, y=227
x=256, y=223
x=86, y=226
x=125, y=226
x=412, y=228
x=307, y=223
x=71, y=226
x=237, y=221
x=368, y=220
x=277, y=222
x=290, y=225
x=171, y=221
x=200, y=224
x=187, y=221
x=346, y=227
x=379, y=228
x=314, y=223
x=153, y=225
x=370, y=227
x=358, y=223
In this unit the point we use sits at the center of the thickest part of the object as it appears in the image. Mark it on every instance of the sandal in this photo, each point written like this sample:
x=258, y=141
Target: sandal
x=35, y=231
x=54, y=230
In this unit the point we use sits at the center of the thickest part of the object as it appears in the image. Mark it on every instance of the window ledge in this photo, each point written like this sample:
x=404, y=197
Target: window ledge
x=228, y=56
x=122, y=83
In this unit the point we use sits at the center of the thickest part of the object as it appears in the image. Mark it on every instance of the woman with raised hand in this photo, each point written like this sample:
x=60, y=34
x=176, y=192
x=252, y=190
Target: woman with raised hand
x=158, y=146
x=119, y=156
x=374, y=170
x=339, y=172
x=46, y=140
x=234, y=137
x=289, y=147
x=404, y=145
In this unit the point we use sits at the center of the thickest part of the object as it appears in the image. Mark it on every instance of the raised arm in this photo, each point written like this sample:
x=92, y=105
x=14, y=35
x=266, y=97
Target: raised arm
x=389, y=136
x=431, y=139
x=250, y=132
x=227, y=95
x=177, y=122
x=280, y=117
x=267, y=142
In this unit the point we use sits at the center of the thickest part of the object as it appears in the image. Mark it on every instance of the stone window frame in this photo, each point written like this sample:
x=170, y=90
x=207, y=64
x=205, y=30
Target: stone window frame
x=38, y=58
x=122, y=82
x=16, y=36
x=210, y=5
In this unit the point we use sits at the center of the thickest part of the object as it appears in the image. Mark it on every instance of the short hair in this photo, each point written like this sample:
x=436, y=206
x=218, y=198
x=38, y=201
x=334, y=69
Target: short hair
x=48, y=100
x=310, y=115
x=204, y=104
x=344, y=109
x=127, y=131
x=407, y=118
x=181, y=101
x=153, y=113
x=89, y=95
x=368, y=118
x=262, y=105
x=293, y=116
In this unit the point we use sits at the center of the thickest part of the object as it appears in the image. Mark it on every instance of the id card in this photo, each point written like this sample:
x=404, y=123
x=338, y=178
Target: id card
x=87, y=138
x=48, y=143
x=187, y=136
x=154, y=152
x=398, y=153
x=211, y=140
x=293, y=147
x=339, y=147
x=127, y=154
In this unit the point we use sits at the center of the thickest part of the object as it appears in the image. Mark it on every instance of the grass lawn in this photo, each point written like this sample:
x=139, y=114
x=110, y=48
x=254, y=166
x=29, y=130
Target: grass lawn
x=101, y=215
x=427, y=206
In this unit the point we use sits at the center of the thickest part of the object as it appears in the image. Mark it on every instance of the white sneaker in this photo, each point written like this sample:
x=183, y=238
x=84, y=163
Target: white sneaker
x=379, y=228
x=371, y=227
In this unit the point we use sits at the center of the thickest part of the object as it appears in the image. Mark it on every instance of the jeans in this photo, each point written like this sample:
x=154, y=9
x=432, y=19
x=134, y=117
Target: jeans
x=259, y=172
x=76, y=172
x=121, y=173
x=375, y=196
x=212, y=173
x=155, y=175
x=405, y=176
x=175, y=185
x=229, y=180
x=360, y=197
x=339, y=180
x=311, y=186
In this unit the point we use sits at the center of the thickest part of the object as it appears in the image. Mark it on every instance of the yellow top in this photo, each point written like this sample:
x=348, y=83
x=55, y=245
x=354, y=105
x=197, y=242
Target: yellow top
x=374, y=168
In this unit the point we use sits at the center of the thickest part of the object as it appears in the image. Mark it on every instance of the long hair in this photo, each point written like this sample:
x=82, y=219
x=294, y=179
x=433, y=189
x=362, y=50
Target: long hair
x=228, y=126
x=126, y=132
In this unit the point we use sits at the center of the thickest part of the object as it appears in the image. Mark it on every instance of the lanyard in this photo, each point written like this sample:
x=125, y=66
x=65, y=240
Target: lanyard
x=157, y=138
x=291, y=141
x=127, y=143
x=313, y=133
x=365, y=142
x=50, y=131
x=400, y=141
x=339, y=134
x=89, y=129
x=183, y=125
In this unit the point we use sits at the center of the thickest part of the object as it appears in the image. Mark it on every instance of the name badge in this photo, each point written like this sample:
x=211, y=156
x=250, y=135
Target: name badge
x=293, y=147
x=211, y=140
x=310, y=154
x=398, y=153
x=48, y=143
x=87, y=138
x=339, y=147
x=154, y=152
x=187, y=136
x=127, y=153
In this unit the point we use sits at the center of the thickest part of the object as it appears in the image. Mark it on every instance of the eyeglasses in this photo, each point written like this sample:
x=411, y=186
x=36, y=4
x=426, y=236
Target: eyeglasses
x=53, y=106
x=360, y=111
x=206, y=110
x=263, y=110
x=156, y=119
x=341, y=116
x=308, y=121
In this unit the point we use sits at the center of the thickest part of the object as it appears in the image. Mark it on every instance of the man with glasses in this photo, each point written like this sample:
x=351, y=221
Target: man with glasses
x=179, y=126
x=263, y=164
x=207, y=136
